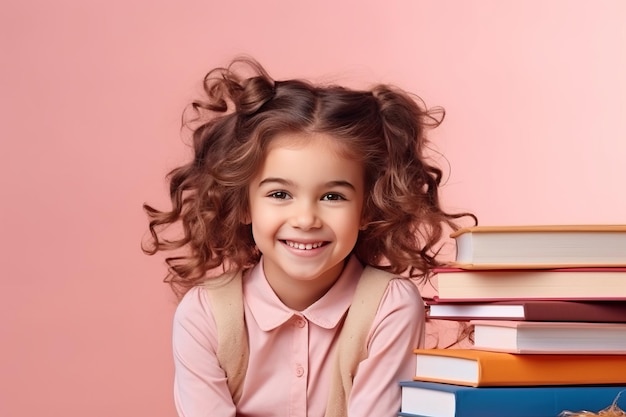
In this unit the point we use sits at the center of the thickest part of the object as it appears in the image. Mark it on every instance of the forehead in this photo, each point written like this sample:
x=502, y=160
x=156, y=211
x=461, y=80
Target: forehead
x=320, y=154
x=322, y=142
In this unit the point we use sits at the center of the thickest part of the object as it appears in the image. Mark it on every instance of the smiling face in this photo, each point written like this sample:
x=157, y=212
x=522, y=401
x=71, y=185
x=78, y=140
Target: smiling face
x=306, y=206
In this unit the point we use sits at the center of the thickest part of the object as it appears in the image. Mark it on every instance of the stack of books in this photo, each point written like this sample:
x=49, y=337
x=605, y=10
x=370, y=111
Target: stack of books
x=548, y=309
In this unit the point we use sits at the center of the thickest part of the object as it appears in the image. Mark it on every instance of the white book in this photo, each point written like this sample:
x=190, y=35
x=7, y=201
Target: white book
x=526, y=337
x=540, y=246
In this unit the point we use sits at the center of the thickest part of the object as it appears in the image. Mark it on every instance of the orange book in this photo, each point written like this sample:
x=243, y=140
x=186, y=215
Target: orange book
x=546, y=246
x=479, y=368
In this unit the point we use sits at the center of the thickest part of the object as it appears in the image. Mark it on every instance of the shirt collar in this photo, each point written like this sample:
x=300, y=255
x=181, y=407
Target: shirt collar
x=269, y=312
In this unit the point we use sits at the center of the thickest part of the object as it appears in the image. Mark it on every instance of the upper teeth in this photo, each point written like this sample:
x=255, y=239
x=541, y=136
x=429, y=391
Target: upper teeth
x=305, y=246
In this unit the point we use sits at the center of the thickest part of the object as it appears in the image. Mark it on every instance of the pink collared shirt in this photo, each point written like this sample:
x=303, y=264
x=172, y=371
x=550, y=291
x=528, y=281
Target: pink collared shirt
x=291, y=352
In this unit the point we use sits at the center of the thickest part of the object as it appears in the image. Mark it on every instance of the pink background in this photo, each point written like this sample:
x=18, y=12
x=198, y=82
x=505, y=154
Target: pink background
x=91, y=96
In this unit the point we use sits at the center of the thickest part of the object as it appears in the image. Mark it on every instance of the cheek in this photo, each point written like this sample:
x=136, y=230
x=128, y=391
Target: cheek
x=259, y=214
x=258, y=234
x=348, y=228
x=264, y=221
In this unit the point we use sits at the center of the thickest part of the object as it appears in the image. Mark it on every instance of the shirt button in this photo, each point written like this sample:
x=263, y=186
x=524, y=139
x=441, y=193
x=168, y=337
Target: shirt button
x=300, y=323
x=299, y=370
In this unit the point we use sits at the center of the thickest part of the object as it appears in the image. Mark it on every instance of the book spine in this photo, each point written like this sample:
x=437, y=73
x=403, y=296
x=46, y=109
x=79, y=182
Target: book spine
x=515, y=401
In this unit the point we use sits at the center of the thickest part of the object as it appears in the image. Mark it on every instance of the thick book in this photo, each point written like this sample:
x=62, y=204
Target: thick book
x=481, y=368
x=454, y=284
x=549, y=337
x=540, y=246
x=430, y=399
x=530, y=310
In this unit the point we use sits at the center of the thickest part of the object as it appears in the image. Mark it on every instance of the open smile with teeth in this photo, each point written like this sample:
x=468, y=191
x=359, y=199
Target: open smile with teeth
x=303, y=246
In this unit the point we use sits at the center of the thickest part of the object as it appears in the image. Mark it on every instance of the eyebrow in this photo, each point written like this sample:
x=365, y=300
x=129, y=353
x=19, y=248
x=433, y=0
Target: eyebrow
x=330, y=184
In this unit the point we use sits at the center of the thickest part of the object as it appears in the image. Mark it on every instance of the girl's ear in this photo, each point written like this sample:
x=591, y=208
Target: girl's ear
x=366, y=213
x=246, y=218
x=365, y=222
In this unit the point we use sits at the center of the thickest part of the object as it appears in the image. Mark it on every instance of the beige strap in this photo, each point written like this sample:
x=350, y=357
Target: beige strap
x=226, y=297
x=352, y=343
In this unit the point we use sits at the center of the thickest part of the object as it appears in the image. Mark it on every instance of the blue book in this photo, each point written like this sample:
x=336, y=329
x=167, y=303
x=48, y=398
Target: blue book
x=430, y=399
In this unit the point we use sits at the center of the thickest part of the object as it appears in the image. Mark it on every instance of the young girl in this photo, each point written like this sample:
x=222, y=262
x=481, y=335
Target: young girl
x=299, y=187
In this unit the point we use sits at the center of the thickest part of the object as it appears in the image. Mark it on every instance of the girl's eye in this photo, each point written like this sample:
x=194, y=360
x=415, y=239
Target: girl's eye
x=333, y=197
x=279, y=195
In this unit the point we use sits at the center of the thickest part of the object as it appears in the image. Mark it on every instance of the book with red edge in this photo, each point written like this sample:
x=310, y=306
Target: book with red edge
x=530, y=310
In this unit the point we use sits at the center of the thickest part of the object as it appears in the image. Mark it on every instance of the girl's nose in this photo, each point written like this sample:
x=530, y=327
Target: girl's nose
x=305, y=217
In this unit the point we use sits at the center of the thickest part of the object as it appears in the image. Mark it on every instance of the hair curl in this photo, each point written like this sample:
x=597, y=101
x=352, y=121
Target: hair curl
x=383, y=127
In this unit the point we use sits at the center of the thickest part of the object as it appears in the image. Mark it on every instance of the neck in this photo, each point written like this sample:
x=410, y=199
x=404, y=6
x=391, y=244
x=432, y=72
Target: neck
x=301, y=294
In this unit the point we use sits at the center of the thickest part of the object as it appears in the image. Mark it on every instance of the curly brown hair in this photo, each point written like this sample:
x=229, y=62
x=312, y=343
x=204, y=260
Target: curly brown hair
x=232, y=125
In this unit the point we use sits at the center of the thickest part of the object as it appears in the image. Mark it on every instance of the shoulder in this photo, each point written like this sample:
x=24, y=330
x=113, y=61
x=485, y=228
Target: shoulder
x=404, y=288
x=402, y=296
x=194, y=310
x=400, y=318
x=201, y=300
